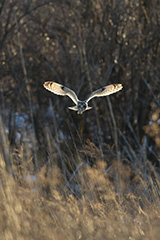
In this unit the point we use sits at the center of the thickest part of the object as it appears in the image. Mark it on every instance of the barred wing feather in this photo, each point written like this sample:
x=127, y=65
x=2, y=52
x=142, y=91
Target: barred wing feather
x=105, y=91
x=59, y=89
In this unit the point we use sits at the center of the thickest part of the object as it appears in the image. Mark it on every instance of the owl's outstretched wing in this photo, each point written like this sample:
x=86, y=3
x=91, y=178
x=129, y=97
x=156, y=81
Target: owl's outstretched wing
x=104, y=91
x=59, y=89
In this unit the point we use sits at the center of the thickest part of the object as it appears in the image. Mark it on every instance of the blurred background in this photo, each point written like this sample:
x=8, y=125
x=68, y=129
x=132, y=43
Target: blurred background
x=83, y=45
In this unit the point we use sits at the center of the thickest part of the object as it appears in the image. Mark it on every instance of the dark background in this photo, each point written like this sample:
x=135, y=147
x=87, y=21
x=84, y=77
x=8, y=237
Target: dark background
x=84, y=45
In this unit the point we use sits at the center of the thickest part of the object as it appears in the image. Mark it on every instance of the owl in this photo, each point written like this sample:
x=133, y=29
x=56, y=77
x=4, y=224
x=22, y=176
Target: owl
x=81, y=106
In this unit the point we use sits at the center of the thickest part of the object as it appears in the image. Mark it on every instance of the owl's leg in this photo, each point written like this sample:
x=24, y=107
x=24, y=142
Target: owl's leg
x=74, y=108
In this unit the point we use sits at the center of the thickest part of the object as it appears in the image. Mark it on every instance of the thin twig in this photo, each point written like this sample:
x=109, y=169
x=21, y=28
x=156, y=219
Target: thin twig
x=28, y=93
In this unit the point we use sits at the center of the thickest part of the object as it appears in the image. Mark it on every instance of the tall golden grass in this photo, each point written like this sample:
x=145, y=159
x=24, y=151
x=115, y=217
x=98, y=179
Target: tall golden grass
x=102, y=198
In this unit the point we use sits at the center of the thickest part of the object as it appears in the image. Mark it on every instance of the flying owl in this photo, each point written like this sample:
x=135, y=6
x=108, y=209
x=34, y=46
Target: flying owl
x=81, y=106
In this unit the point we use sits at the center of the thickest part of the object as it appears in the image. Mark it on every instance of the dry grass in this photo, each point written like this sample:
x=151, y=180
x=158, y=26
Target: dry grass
x=108, y=199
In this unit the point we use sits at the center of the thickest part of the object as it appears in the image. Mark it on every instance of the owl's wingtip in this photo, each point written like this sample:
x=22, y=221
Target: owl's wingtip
x=119, y=86
x=45, y=84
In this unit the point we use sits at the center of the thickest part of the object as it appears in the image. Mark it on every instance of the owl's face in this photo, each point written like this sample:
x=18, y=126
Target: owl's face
x=81, y=106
